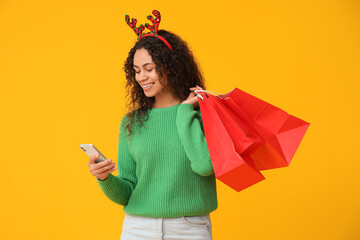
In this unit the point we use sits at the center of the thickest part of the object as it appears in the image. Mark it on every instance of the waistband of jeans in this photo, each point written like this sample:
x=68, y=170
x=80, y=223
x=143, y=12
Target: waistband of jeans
x=169, y=219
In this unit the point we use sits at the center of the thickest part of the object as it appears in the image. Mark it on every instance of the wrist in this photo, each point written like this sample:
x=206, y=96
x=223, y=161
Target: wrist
x=103, y=179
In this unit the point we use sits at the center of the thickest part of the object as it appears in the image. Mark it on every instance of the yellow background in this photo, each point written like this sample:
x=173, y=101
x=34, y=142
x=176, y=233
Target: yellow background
x=62, y=84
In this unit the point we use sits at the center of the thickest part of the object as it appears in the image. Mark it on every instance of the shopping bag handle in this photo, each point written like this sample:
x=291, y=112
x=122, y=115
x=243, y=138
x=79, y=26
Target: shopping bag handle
x=210, y=92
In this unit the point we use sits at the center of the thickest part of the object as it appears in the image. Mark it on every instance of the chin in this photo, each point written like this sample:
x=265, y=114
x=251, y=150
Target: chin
x=149, y=95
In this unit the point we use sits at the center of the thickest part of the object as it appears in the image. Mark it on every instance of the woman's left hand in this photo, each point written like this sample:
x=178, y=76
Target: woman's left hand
x=192, y=98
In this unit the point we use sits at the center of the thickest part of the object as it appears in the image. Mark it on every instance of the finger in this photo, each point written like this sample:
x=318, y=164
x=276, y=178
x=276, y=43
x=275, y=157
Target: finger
x=196, y=93
x=111, y=170
x=193, y=100
x=106, y=174
x=196, y=88
x=96, y=166
x=105, y=169
x=191, y=95
x=102, y=169
x=104, y=163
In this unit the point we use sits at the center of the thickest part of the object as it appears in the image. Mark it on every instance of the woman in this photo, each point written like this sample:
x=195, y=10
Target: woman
x=166, y=181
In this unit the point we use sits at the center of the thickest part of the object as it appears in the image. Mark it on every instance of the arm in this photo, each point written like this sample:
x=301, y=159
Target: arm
x=190, y=130
x=119, y=188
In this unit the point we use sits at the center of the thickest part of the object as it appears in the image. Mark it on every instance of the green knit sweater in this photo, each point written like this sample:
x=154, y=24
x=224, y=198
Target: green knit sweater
x=164, y=169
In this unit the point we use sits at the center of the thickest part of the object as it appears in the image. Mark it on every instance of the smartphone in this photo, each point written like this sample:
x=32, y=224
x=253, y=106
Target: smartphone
x=91, y=150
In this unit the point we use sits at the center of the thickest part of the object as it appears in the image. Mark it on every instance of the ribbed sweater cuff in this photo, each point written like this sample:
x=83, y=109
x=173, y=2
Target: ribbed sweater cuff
x=115, y=189
x=108, y=182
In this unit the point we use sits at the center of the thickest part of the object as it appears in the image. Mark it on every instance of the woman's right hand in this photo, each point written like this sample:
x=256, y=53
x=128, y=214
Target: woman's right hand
x=102, y=169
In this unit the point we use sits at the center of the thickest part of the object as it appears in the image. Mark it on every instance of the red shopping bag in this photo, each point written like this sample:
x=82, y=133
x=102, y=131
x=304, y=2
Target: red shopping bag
x=229, y=166
x=263, y=135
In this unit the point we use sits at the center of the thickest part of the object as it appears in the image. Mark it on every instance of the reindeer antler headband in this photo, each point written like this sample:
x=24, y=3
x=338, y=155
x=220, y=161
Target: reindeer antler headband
x=153, y=28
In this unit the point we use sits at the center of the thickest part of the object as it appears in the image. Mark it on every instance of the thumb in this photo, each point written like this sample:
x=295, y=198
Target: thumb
x=191, y=95
x=93, y=158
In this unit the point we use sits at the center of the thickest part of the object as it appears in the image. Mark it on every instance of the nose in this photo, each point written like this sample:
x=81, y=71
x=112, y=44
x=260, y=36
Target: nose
x=142, y=76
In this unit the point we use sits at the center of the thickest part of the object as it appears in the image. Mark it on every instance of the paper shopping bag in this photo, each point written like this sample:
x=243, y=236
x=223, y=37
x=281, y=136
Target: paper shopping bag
x=281, y=132
x=229, y=166
x=263, y=135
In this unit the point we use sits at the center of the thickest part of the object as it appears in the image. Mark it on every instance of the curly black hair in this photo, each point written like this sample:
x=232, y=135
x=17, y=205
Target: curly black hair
x=179, y=66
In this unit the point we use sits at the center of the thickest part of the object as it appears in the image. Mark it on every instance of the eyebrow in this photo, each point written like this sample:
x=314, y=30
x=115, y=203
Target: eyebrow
x=144, y=64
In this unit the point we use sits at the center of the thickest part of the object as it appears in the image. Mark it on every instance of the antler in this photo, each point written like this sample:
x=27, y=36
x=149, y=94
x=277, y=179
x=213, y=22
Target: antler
x=153, y=28
x=156, y=21
x=138, y=31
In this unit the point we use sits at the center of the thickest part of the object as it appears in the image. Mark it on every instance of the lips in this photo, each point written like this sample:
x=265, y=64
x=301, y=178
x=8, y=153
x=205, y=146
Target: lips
x=147, y=86
x=144, y=85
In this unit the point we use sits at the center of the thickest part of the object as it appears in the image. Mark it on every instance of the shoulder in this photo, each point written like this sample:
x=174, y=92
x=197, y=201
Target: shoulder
x=128, y=116
x=125, y=119
x=126, y=122
x=130, y=121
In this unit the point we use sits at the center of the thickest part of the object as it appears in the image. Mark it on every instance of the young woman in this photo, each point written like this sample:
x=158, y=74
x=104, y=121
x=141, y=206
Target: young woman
x=166, y=181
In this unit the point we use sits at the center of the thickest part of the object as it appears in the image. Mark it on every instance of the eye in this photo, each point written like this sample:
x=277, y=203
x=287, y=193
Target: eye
x=149, y=70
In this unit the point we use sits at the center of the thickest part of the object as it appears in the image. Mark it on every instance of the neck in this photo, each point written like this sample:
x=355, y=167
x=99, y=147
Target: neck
x=165, y=101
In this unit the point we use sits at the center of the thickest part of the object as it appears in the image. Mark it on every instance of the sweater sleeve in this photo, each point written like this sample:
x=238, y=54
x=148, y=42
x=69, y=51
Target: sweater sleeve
x=190, y=130
x=119, y=188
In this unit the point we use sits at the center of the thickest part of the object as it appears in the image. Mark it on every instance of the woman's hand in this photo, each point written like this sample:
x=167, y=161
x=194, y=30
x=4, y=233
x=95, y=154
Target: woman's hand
x=102, y=169
x=192, y=98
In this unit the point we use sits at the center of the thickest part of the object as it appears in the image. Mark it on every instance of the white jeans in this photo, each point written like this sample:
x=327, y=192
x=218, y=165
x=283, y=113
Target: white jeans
x=143, y=228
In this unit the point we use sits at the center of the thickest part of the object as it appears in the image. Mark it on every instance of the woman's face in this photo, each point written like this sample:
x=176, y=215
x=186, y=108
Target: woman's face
x=145, y=74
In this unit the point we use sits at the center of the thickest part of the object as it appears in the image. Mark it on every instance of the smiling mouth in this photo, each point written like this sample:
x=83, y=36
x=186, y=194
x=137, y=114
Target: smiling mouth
x=148, y=86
